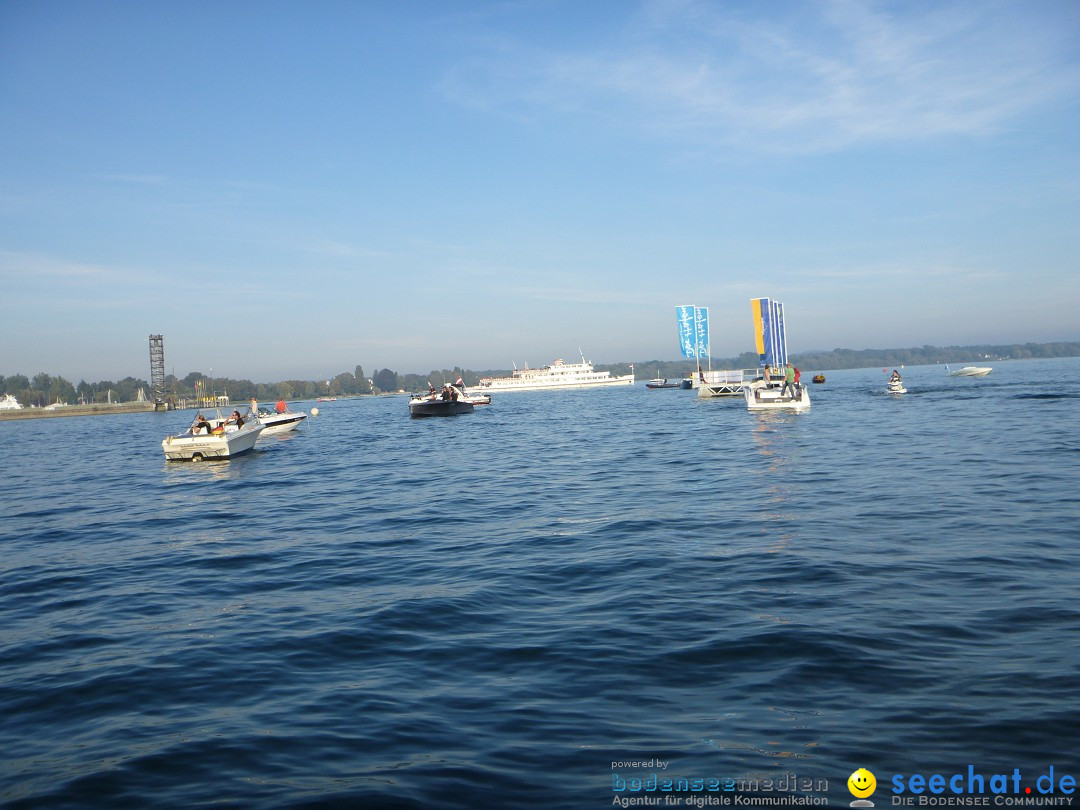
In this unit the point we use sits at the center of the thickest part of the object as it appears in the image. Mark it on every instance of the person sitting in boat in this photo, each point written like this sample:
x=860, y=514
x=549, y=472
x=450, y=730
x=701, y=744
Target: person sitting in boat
x=235, y=419
x=200, y=425
x=789, y=381
x=895, y=376
x=281, y=407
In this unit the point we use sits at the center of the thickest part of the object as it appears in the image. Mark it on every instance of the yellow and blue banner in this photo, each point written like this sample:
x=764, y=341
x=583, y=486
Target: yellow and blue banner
x=770, y=339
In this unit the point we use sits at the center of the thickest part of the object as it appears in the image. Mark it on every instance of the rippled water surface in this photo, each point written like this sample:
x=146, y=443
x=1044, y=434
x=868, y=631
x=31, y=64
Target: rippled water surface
x=490, y=610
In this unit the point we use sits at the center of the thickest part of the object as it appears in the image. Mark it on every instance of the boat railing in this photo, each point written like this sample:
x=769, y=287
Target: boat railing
x=729, y=376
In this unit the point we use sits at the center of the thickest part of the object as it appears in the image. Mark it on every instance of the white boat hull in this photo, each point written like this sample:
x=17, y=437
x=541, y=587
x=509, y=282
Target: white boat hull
x=510, y=384
x=232, y=443
x=274, y=423
x=971, y=371
x=760, y=398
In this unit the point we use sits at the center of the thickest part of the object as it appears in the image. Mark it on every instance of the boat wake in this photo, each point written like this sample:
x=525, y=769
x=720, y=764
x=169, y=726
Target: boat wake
x=1043, y=396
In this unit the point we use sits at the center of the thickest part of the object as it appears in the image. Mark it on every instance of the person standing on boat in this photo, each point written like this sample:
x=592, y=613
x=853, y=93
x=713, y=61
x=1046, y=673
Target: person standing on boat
x=765, y=376
x=789, y=381
x=798, y=374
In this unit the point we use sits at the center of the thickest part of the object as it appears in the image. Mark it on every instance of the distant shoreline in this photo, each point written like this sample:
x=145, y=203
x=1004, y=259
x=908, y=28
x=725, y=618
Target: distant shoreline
x=100, y=409
x=812, y=362
x=76, y=410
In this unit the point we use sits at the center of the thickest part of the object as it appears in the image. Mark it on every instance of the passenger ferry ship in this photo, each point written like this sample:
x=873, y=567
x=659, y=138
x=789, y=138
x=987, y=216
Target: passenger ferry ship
x=557, y=376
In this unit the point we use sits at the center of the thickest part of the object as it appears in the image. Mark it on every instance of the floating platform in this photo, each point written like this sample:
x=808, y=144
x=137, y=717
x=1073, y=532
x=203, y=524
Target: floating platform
x=725, y=383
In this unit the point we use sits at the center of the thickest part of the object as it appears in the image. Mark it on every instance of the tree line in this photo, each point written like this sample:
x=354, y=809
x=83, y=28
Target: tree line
x=863, y=358
x=43, y=389
x=929, y=355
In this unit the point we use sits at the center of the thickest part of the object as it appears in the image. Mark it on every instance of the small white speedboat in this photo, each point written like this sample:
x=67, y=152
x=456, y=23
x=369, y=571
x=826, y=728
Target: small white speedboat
x=477, y=398
x=762, y=397
x=212, y=439
x=970, y=371
x=280, y=422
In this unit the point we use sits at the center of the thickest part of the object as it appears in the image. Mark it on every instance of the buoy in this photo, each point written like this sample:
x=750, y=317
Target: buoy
x=314, y=411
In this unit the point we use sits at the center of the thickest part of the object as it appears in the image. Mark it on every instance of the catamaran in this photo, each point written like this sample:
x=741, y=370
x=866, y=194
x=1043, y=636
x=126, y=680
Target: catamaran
x=767, y=393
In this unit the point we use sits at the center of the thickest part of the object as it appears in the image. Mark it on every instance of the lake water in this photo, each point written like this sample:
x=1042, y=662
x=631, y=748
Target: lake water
x=561, y=592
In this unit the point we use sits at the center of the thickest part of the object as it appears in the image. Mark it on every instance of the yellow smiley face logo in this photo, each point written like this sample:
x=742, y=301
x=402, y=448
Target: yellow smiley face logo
x=861, y=783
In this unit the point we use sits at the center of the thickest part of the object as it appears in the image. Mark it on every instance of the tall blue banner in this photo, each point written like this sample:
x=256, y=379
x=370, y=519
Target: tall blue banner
x=768, y=356
x=685, y=318
x=769, y=335
x=701, y=336
x=779, y=336
x=770, y=338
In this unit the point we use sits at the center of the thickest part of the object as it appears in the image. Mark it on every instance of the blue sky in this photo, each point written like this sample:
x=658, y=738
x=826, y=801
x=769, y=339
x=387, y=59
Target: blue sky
x=287, y=190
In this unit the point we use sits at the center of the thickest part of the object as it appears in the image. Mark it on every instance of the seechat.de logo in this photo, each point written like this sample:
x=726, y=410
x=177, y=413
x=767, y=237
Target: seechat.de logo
x=862, y=785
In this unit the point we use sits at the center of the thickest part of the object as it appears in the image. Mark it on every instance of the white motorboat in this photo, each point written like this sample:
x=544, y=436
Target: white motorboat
x=762, y=397
x=557, y=376
x=9, y=403
x=969, y=371
x=215, y=438
x=279, y=420
x=283, y=422
x=896, y=387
